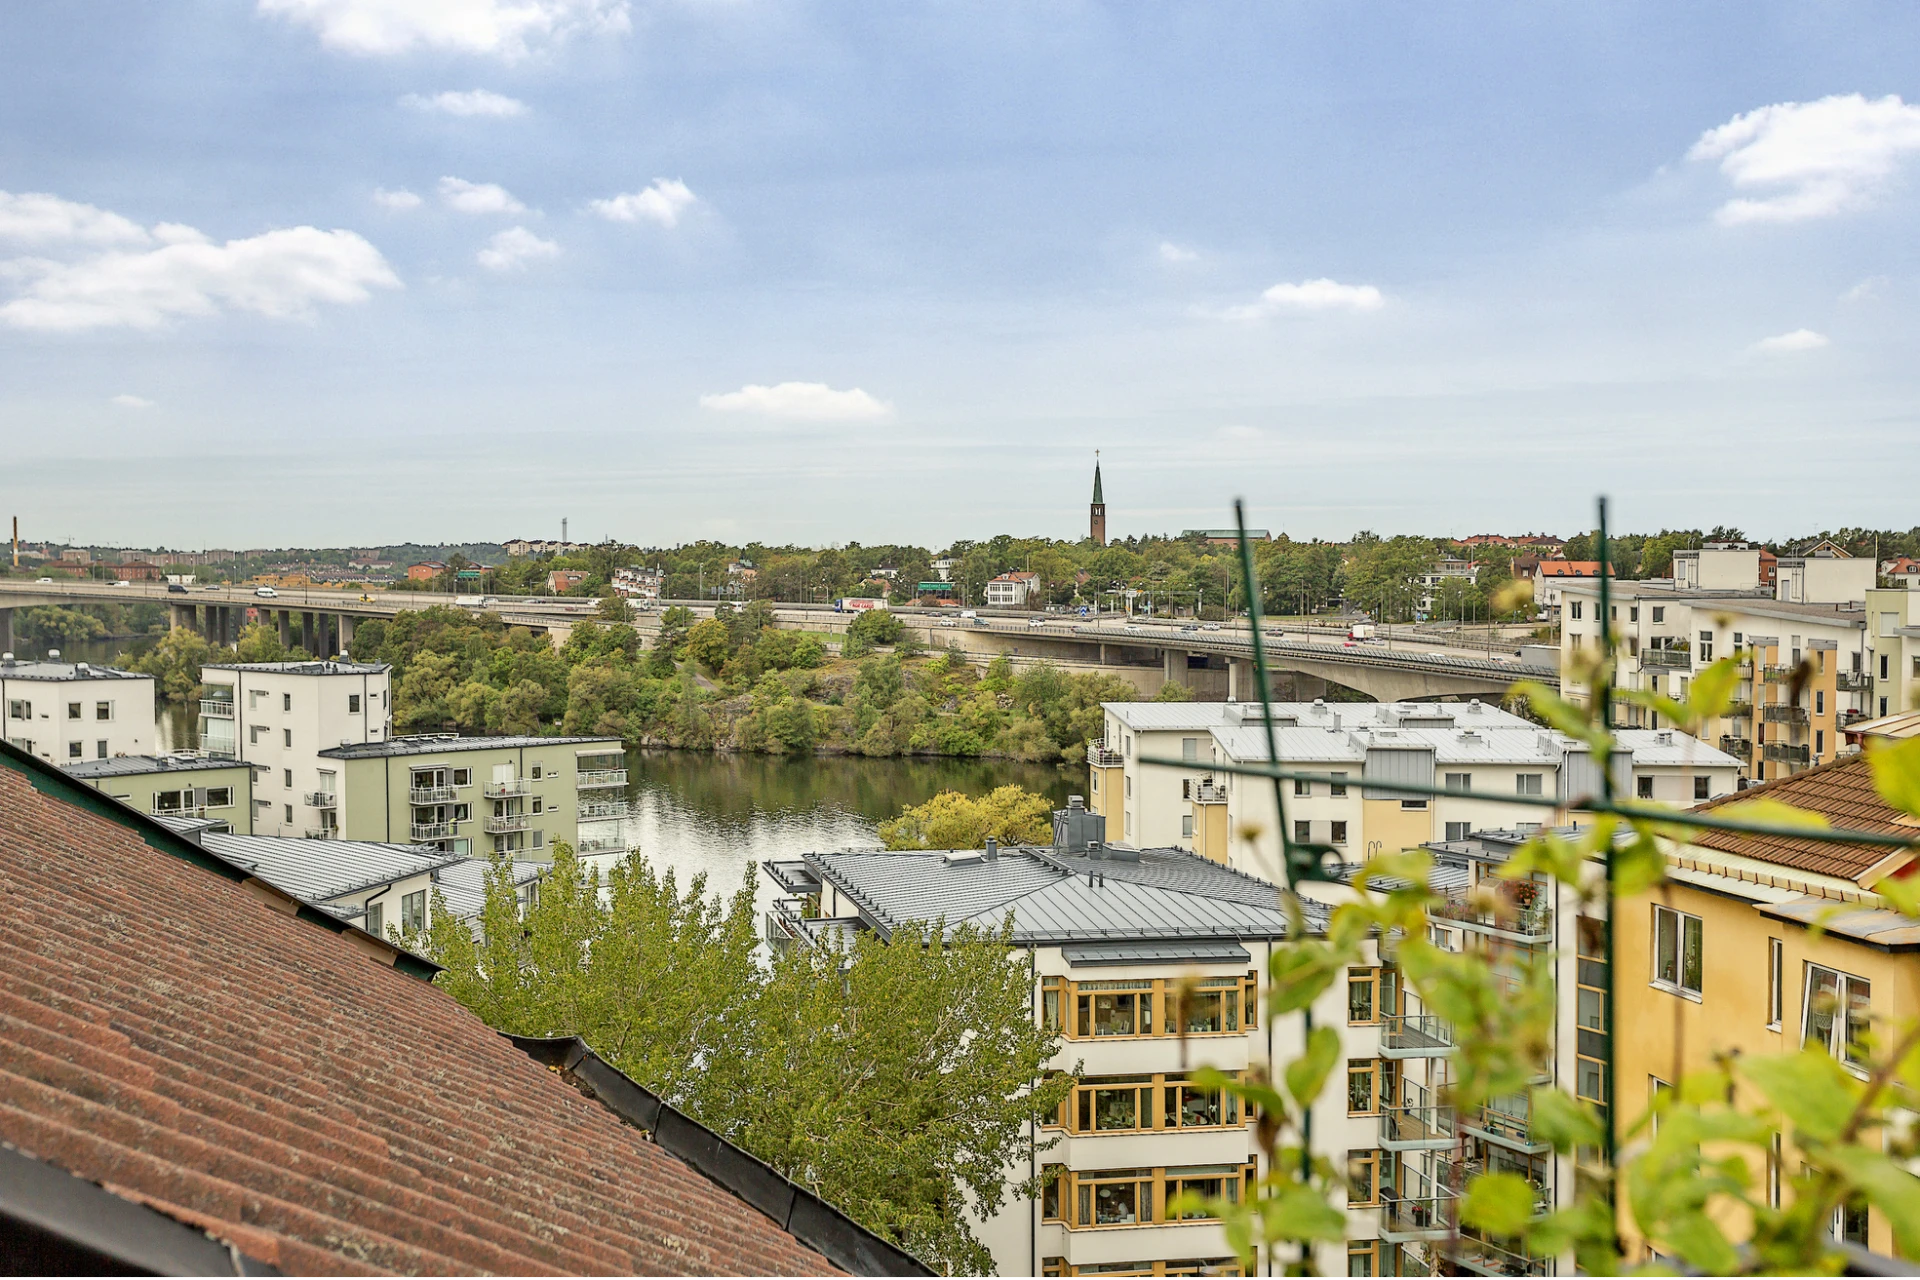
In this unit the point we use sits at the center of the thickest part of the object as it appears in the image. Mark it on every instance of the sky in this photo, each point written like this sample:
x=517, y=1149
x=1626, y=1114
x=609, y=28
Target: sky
x=353, y=272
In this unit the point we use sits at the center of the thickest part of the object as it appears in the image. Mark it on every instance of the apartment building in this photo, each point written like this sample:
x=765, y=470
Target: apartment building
x=1785, y=717
x=1767, y=945
x=1110, y=934
x=176, y=786
x=1445, y=568
x=1893, y=632
x=1013, y=590
x=478, y=796
x=65, y=712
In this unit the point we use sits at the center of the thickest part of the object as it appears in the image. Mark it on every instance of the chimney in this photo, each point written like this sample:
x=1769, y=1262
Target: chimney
x=993, y=849
x=1076, y=802
x=1096, y=849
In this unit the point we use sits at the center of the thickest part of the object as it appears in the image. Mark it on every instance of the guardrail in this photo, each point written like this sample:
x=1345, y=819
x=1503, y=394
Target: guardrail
x=1416, y=1035
x=507, y=790
x=589, y=779
x=1853, y=681
x=1527, y=920
x=219, y=708
x=1101, y=758
x=322, y=800
x=432, y=830
x=603, y=809
x=430, y=795
x=1783, y=713
x=1682, y=658
x=1404, y=1128
x=502, y=825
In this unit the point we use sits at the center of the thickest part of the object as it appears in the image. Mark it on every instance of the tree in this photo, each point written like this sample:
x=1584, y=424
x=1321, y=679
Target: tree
x=710, y=643
x=259, y=642
x=57, y=625
x=614, y=608
x=874, y=627
x=1011, y=815
x=175, y=663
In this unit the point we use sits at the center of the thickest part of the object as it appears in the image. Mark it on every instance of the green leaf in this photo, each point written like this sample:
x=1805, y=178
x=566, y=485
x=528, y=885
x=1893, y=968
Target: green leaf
x=1658, y=703
x=1553, y=854
x=1895, y=1191
x=1775, y=813
x=1637, y=867
x=1302, y=1213
x=1565, y=1122
x=1561, y=714
x=1498, y=1202
x=1694, y=1237
x=1711, y=692
x=1300, y=973
x=1808, y=1087
x=1307, y=1074
x=1901, y=893
x=1896, y=774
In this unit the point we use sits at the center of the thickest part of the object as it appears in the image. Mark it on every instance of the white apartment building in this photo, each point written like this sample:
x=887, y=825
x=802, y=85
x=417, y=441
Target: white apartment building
x=1893, y=634
x=1443, y=569
x=1827, y=576
x=279, y=717
x=65, y=712
x=1012, y=590
x=1717, y=566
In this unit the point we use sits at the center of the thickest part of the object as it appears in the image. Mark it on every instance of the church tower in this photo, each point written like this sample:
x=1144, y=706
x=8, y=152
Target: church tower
x=1097, y=513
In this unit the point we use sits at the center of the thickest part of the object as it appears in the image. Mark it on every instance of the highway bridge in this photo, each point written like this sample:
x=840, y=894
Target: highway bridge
x=1212, y=663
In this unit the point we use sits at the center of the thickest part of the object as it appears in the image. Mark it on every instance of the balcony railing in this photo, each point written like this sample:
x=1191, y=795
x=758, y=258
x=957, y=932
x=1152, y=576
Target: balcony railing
x=1485, y=1258
x=1416, y=1035
x=432, y=830
x=1681, y=658
x=1744, y=670
x=1510, y=917
x=1738, y=710
x=1775, y=673
x=219, y=708
x=1783, y=713
x=1852, y=715
x=1787, y=752
x=322, y=800
x=430, y=795
x=506, y=790
x=592, y=779
x=499, y=826
x=1742, y=747
x=1507, y=1121
x=323, y=833
x=1209, y=793
x=1853, y=681
x=1406, y=1128
x=603, y=809
x=1420, y=1217
x=179, y=811
x=601, y=844
x=1100, y=758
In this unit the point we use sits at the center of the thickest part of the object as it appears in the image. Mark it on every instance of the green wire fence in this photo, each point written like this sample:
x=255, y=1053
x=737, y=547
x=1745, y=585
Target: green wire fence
x=1302, y=861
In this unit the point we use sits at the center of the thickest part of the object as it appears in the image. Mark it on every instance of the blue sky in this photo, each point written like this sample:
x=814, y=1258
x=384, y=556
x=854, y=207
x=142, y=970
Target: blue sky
x=359, y=271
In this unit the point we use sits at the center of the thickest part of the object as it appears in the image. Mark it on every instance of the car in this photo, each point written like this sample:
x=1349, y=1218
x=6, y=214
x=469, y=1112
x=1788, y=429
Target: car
x=1190, y=627
x=45, y=582
x=123, y=583
x=268, y=592
x=1036, y=622
x=1130, y=629
x=969, y=614
x=948, y=622
x=1211, y=626
x=176, y=588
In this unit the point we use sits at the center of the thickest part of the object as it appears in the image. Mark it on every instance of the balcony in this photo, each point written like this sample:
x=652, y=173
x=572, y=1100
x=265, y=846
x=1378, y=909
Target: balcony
x=1741, y=747
x=593, y=809
x=1408, y=1128
x=1209, y=793
x=1681, y=658
x=1852, y=715
x=1485, y=1258
x=1776, y=673
x=1783, y=713
x=322, y=800
x=1738, y=711
x=1786, y=752
x=1507, y=1122
x=430, y=795
x=1416, y=1035
x=500, y=826
x=507, y=790
x=593, y=779
x=179, y=811
x=1100, y=758
x=1419, y=1217
x=1744, y=670
x=1853, y=681
x=1509, y=918
x=323, y=833
x=218, y=708
x=432, y=830
x=601, y=844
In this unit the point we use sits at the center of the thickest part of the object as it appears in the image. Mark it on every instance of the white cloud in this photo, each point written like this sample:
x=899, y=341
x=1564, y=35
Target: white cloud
x=96, y=269
x=508, y=29
x=801, y=401
x=663, y=202
x=478, y=197
x=1240, y=434
x=398, y=201
x=36, y=218
x=514, y=248
x=131, y=402
x=1171, y=252
x=473, y=102
x=1828, y=156
x=1868, y=288
x=1310, y=295
x=1798, y=340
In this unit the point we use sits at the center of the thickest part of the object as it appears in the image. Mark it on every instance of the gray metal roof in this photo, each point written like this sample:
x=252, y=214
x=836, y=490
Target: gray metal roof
x=1088, y=954
x=325, y=667
x=126, y=766
x=190, y=827
x=463, y=884
x=1056, y=898
x=317, y=870
x=440, y=744
x=29, y=669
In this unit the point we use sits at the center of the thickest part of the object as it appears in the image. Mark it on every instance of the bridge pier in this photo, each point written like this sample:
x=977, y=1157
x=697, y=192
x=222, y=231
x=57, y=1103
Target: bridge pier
x=284, y=620
x=306, y=631
x=345, y=621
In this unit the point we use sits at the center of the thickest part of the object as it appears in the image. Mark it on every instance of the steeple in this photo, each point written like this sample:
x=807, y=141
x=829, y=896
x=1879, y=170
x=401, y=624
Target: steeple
x=1097, y=513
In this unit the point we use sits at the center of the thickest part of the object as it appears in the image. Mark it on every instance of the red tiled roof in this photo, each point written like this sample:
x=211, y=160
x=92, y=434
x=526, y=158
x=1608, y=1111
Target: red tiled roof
x=1570, y=568
x=177, y=1037
x=1843, y=792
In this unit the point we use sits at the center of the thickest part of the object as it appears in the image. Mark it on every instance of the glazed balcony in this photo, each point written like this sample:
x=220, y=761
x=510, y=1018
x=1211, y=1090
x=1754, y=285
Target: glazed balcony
x=1783, y=713
x=594, y=779
x=1416, y=1035
x=596, y=809
x=1411, y=1128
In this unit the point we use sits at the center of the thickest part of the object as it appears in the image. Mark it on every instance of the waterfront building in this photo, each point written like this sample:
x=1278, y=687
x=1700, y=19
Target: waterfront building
x=64, y=712
x=278, y=717
x=499, y=794
x=179, y=786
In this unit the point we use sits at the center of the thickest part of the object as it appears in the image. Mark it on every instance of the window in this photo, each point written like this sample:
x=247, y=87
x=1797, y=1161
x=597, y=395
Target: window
x=1363, y=1179
x=1706, y=646
x=289, y=816
x=1129, y=786
x=1837, y=1013
x=1776, y=982
x=537, y=805
x=100, y=749
x=462, y=777
x=73, y=711
x=1189, y=749
x=286, y=779
x=1302, y=831
x=1413, y=806
x=1186, y=826
x=1363, y=1257
x=1338, y=788
x=1774, y=1164
x=286, y=702
x=1883, y=666
x=1658, y=1092
x=1125, y=1006
x=1526, y=784
x=413, y=910
x=219, y=797
x=1633, y=612
x=1643, y=786
x=1819, y=742
x=376, y=918
x=286, y=737
x=19, y=709
x=1369, y=995
x=536, y=773
x=1369, y=1086
x=1659, y=613
x=1819, y=702
x=1676, y=951
x=353, y=704
x=1115, y=1009
x=1702, y=787
x=103, y=711
x=1851, y=1226
x=1301, y=787
x=1576, y=609
x=76, y=750
x=1458, y=830
x=1339, y=832
x=1459, y=782
x=1130, y=1197
x=253, y=733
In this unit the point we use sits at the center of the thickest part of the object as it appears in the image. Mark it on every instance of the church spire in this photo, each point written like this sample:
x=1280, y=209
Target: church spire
x=1096, y=477
x=1097, y=513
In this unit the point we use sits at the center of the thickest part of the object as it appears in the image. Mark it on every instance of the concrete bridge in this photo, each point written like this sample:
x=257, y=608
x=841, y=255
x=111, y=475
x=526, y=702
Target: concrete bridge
x=1211, y=663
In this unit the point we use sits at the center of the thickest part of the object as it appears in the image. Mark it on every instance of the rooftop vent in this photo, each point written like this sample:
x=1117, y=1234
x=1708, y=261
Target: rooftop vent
x=1073, y=802
x=1664, y=737
x=963, y=857
x=1121, y=853
x=1096, y=850
x=81, y=666
x=992, y=851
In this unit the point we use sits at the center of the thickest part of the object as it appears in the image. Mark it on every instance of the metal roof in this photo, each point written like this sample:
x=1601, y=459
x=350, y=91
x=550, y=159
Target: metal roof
x=463, y=884
x=326, y=667
x=127, y=766
x=1670, y=746
x=1088, y=954
x=1148, y=717
x=29, y=669
x=442, y=743
x=317, y=870
x=1875, y=927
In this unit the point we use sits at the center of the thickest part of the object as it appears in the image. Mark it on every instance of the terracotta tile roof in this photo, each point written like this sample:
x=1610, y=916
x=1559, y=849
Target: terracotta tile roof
x=173, y=1034
x=1842, y=791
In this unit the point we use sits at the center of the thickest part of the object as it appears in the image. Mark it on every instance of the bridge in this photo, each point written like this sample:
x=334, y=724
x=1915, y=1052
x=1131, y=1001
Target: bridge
x=1210, y=663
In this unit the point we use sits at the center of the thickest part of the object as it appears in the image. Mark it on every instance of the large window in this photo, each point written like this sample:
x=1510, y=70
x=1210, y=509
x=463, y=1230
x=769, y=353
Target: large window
x=1527, y=784
x=1837, y=1013
x=1151, y=1006
x=73, y=711
x=413, y=910
x=1776, y=982
x=1677, y=946
x=1338, y=787
x=1363, y=1179
x=1370, y=995
x=1369, y=1086
x=1135, y=1197
x=375, y=922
